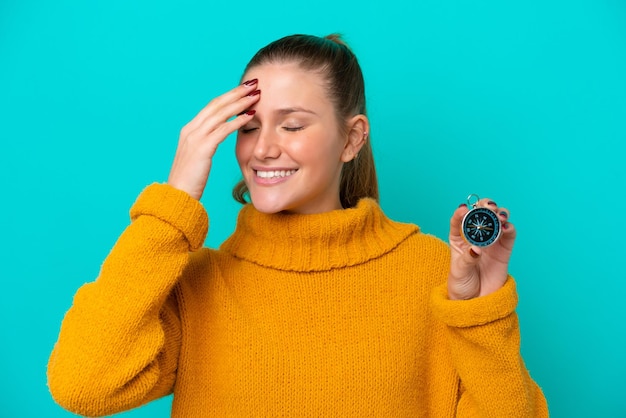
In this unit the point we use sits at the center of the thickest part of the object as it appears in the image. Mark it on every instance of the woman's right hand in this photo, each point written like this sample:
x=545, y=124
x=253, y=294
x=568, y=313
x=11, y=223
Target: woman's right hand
x=200, y=138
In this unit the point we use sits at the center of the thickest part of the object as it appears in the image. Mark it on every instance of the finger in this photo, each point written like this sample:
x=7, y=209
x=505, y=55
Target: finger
x=224, y=110
x=235, y=124
x=217, y=119
x=208, y=144
x=465, y=261
x=487, y=203
x=214, y=129
x=234, y=95
x=508, y=235
x=503, y=215
x=231, y=96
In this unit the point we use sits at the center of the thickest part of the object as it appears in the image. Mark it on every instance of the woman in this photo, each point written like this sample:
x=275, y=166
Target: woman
x=317, y=305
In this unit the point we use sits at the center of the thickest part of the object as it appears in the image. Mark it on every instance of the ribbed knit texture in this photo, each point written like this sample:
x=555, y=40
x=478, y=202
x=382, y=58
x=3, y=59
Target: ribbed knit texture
x=336, y=314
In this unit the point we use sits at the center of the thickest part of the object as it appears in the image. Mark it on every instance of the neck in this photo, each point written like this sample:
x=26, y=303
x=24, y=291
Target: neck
x=315, y=242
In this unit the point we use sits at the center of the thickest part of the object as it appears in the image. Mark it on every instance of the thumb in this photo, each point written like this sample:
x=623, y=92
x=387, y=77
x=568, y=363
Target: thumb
x=456, y=222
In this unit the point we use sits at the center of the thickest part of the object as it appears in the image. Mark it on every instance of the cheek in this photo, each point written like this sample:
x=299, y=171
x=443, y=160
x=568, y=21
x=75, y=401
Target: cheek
x=242, y=150
x=299, y=148
x=320, y=145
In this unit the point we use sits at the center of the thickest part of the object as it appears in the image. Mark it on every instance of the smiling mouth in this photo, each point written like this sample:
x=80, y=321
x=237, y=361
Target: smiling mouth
x=274, y=173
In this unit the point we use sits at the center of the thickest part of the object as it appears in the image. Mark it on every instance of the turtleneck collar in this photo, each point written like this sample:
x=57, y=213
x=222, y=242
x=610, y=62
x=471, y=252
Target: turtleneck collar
x=316, y=242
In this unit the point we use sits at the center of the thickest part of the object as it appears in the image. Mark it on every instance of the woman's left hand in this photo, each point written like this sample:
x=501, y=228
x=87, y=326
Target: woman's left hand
x=479, y=271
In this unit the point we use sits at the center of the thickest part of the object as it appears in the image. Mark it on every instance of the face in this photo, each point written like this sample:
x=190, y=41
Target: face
x=292, y=152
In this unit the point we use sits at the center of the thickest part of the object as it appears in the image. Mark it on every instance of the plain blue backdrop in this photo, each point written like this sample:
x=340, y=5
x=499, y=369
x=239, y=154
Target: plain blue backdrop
x=524, y=102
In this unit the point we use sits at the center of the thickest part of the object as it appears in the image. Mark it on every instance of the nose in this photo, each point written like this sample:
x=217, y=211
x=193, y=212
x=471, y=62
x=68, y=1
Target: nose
x=267, y=145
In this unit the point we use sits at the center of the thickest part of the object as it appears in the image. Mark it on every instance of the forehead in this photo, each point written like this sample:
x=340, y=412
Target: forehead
x=287, y=84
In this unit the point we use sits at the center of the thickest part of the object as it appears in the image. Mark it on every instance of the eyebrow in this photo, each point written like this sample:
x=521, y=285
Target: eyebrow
x=288, y=110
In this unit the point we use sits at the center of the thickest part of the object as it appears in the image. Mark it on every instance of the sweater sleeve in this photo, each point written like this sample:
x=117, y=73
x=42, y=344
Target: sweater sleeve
x=484, y=339
x=119, y=342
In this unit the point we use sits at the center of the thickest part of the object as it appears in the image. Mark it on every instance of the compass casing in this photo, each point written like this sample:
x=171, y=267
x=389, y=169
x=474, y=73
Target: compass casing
x=481, y=227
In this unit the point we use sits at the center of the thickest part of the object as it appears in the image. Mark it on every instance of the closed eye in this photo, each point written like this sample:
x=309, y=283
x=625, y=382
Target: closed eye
x=293, y=128
x=246, y=130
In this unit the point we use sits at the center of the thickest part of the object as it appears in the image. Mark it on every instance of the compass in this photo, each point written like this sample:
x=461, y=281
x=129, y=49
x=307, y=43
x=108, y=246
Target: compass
x=481, y=226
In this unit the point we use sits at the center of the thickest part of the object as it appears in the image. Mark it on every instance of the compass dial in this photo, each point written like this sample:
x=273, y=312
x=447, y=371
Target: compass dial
x=481, y=227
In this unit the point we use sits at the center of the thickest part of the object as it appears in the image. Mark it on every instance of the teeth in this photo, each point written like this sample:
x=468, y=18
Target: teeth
x=277, y=173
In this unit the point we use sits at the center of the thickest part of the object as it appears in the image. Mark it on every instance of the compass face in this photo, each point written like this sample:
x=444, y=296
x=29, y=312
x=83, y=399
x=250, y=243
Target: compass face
x=481, y=227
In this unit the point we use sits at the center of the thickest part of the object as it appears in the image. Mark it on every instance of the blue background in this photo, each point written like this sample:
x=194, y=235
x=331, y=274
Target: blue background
x=524, y=102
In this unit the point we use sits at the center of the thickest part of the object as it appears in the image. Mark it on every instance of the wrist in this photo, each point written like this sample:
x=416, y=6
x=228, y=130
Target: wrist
x=194, y=191
x=462, y=290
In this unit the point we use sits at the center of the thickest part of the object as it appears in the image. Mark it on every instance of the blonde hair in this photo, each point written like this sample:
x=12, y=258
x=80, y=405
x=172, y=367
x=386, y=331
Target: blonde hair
x=337, y=63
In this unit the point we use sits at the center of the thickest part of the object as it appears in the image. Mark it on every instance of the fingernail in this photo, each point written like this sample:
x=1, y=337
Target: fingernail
x=254, y=93
x=491, y=202
x=462, y=204
x=505, y=225
x=473, y=253
x=504, y=214
x=251, y=82
x=250, y=112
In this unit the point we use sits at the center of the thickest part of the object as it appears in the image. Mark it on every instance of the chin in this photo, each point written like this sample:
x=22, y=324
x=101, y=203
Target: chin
x=267, y=209
x=268, y=206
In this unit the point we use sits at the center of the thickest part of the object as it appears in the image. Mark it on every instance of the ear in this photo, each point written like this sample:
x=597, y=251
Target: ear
x=358, y=132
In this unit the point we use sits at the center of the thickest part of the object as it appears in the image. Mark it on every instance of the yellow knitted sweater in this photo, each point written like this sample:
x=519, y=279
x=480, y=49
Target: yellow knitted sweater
x=336, y=314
